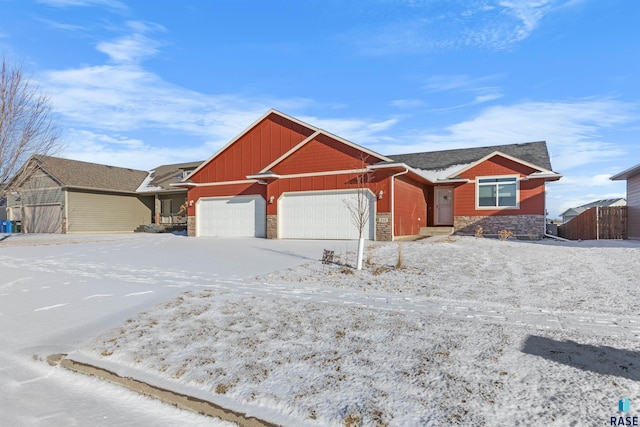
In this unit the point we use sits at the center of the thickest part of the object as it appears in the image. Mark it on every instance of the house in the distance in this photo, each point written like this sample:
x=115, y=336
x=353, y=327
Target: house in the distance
x=571, y=213
x=56, y=195
x=284, y=178
x=632, y=176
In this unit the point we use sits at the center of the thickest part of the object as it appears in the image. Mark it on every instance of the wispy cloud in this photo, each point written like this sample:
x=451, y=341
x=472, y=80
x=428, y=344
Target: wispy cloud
x=133, y=47
x=407, y=103
x=418, y=27
x=571, y=129
x=60, y=25
x=106, y=106
x=479, y=88
x=111, y=4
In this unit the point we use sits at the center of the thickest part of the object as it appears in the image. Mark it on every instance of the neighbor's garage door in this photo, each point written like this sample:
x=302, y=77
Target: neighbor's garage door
x=42, y=219
x=238, y=216
x=322, y=215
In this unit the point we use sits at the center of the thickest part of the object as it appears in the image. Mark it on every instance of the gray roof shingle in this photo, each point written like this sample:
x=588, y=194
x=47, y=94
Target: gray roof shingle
x=74, y=173
x=165, y=175
x=535, y=153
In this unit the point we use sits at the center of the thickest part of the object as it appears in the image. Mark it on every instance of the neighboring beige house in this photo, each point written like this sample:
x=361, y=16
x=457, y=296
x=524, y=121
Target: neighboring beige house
x=55, y=195
x=632, y=176
x=571, y=213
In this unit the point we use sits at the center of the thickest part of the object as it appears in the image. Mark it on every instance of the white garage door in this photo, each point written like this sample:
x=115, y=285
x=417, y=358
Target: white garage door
x=239, y=216
x=322, y=215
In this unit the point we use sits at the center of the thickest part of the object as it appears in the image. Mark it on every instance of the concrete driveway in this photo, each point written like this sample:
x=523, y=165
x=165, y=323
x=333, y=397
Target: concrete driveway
x=58, y=292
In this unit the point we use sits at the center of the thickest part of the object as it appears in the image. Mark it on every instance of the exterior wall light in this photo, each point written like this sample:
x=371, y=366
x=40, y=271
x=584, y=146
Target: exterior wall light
x=271, y=199
x=190, y=203
x=380, y=194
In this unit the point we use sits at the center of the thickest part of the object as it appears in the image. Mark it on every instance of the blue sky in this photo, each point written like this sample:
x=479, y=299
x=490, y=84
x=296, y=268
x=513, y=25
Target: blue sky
x=144, y=83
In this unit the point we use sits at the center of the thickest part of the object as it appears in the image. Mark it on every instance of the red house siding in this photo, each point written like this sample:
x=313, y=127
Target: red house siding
x=324, y=154
x=531, y=192
x=252, y=151
x=410, y=210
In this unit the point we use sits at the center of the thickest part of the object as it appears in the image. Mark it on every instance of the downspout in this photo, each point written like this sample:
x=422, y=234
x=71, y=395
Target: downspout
x=393, y=199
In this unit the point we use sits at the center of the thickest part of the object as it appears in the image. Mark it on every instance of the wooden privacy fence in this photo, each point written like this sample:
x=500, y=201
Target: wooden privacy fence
x=597, y=223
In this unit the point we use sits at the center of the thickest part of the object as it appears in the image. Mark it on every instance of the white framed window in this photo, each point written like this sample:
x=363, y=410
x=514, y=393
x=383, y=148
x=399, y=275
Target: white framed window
x=497, y=192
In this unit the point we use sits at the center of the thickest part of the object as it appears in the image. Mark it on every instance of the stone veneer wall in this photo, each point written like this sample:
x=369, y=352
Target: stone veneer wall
x=272, y=226
x=383, y=226
x=520, y=225
x=191, y=226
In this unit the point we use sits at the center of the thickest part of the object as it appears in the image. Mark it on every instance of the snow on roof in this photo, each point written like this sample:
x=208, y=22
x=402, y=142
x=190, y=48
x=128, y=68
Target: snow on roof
x=435, y=175
x=146, y=184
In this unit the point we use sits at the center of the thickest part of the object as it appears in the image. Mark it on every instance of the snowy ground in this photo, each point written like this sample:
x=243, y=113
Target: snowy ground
x=467, y=331
x=57, y=292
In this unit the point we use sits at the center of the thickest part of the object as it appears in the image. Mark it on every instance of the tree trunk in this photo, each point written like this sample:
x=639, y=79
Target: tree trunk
x=360, y=252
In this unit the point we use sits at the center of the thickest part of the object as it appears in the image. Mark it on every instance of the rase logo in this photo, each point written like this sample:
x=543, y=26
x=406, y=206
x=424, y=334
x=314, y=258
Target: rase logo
x=624, y=406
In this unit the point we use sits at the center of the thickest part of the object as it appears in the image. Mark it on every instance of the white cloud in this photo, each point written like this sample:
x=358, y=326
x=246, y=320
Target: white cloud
x=571, y=129
x=133, y=47
x=417, y=27
x=407, y=103
x=119, y=150
x=112, y=4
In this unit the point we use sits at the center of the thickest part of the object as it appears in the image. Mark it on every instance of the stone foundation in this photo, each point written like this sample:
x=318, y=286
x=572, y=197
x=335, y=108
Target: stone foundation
x=191, y=226
x=383, y=226
x=272, y=226
x=529, y=226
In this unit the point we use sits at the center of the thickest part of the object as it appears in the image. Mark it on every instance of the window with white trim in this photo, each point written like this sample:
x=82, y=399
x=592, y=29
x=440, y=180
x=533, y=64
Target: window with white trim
x=497, y=192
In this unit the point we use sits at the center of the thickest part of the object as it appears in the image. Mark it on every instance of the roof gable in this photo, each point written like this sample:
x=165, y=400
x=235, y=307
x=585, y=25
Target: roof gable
x=502, y=163
x=322, y=152
x=531, y=153
x=261, y=143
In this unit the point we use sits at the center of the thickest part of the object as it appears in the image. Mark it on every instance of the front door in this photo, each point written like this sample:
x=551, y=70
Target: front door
x=444, y=206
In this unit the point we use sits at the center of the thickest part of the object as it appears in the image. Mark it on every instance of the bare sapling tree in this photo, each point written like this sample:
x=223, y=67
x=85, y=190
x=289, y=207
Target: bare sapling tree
x=360, y=208
x=27, y=123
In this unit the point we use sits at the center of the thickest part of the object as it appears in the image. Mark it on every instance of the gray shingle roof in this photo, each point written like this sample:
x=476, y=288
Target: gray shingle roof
x=535, y=153
x=164, y=175
x=74, y=173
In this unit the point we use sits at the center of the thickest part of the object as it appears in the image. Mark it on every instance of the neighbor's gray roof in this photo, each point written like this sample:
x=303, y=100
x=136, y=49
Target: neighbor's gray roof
x=164, y=175
x=74, y=173
x=535, y=153
x=601, y=203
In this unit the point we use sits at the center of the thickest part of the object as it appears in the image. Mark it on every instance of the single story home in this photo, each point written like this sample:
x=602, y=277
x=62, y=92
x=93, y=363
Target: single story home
x=284, y=178
x=571, y=213
x=632, y=176
x=56, y=195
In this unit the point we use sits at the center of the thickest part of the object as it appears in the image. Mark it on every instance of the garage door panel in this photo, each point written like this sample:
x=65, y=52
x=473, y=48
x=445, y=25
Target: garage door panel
x=322, y=215
x=239, y=216
x=42, y=219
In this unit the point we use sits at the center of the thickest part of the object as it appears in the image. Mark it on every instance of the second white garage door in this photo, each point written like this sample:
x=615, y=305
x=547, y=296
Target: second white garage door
x=238, y=216
x=322, y=215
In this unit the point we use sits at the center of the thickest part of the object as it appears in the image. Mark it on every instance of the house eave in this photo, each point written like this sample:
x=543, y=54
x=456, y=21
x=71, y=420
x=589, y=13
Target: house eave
x=626, y=174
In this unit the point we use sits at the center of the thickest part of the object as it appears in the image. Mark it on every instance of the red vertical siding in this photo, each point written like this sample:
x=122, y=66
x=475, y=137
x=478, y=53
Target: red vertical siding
x=324, y=154
x=410, y=210
x=252, y=151
x=532, y=192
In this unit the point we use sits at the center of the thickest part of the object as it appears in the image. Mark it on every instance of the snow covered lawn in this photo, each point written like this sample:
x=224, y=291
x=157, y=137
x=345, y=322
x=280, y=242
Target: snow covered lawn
x=467, y=331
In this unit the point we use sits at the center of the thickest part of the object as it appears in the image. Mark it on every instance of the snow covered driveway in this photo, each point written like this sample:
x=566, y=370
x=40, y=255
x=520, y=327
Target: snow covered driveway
x=468, y=331
x=56, y=292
